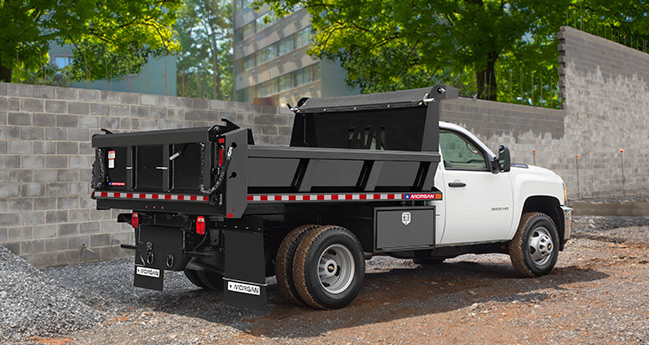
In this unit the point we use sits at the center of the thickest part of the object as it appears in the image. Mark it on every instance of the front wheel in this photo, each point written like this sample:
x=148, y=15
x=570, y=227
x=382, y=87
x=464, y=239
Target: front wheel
x=329, y=267
x=534, y=249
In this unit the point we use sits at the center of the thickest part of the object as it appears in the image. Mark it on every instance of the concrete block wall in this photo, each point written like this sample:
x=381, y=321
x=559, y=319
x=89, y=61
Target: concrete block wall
x=46, y=214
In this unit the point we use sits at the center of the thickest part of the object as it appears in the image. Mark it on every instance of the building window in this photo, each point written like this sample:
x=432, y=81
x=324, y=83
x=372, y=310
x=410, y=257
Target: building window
x=302, y=37
x=248, y=62
x=62, y=61
x=243, y=4
x=248, y=30
x=268, y=88
x=261, y=21
x=286, y=82
x=285, y=46
x=266, y=54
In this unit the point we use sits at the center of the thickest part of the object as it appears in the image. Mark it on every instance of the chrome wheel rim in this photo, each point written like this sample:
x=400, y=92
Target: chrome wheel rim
x=336, y=269
x=540, y=246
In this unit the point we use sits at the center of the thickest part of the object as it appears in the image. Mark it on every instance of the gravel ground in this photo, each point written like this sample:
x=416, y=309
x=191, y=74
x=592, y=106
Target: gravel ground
x=598, y=294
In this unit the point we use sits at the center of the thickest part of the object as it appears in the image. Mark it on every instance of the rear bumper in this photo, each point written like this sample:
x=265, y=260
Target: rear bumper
x=567, y=223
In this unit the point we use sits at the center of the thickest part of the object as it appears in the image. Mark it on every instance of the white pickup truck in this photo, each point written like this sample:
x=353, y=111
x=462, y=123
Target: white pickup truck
x=363, y=175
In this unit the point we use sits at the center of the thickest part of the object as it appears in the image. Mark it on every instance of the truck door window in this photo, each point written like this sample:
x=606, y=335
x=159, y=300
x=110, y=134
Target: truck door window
x=459, y=153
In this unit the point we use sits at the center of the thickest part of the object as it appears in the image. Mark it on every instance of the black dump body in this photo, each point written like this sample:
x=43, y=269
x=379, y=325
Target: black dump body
x=379, y=143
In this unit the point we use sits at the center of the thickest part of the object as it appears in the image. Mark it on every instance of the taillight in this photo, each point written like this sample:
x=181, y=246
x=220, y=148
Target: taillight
x=135, y=220
x=221, y=155
x=200, y=225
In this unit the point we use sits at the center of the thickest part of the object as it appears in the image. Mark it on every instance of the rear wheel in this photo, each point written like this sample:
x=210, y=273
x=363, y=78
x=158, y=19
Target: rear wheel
x=212, y=280
x=192, y=275
x=284, y=262
x=534, y=249
x=329, y=267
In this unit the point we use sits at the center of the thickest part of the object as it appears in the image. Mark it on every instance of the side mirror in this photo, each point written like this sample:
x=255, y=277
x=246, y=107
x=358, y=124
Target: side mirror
x=504, y=158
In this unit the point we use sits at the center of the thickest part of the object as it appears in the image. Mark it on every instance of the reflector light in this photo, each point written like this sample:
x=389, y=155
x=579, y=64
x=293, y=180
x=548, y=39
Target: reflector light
x=221, y=154
x=135, y=220
x=200, y=225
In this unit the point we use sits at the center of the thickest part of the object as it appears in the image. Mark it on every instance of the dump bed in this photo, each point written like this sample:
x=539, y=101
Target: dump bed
x=367, y=147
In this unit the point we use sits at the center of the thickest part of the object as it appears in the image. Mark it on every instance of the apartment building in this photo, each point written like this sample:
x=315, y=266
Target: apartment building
x=271, y=64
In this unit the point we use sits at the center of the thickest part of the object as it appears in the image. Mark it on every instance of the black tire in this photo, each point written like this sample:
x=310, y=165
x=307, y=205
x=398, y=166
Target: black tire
x=192, y=275
x=428, y=261
x=335, y=253
x=212, y=280
x=284, y=262
x=535, y=247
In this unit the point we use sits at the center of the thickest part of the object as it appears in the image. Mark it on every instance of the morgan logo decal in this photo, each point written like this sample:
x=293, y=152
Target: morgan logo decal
x=148, y=272
x=244, y=288
x=406, y=218
x=421, y=196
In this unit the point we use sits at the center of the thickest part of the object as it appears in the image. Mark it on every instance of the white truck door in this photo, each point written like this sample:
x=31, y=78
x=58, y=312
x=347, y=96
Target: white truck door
x=479, y=203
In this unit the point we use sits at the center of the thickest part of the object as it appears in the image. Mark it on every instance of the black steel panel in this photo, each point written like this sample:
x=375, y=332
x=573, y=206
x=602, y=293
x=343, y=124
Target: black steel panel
x=186, y=207
x=148, y=175
x=340, y=154
x=404, y=228
x=186, y=168
x=398, y=174
x=266, y=172
x=337, y=173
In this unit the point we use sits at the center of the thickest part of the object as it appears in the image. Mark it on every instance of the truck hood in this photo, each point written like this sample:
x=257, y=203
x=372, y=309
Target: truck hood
x=518, y=169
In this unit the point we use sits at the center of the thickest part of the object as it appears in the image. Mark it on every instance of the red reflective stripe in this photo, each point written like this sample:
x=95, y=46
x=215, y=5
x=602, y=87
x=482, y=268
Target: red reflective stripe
x=250, y=198
x=376, y=196
x=264, y=197
x=129, y=195
x=306, y=197
x=181, y=197
x=292, y=197
x=348, y=197
x=154, y=196
x=334, y=197
x=363, y=196
x=117, y=195
x=229, y=215
x=141, y=196
x=390, y=196
x=167, y=197
x=278, y=197
x=193, y=198
x=320, y=197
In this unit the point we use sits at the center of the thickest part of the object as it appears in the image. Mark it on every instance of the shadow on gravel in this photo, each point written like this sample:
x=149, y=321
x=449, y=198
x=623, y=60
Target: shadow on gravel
x=386, y=296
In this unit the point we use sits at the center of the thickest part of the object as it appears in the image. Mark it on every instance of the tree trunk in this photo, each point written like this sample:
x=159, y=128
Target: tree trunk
x=486, y=79
x=5, y=73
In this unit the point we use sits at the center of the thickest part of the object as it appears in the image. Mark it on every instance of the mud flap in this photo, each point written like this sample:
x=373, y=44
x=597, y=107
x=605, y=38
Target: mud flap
x=244, y=276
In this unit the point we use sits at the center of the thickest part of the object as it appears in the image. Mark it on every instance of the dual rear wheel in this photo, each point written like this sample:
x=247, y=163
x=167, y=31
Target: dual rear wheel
x=320, y=266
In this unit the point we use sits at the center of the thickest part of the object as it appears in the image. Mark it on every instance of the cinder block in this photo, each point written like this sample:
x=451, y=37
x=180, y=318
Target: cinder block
x=100, y=240
x=149, y=100
x=9, y=132
x=67, y=148
x=80, y=215
x=218, y=105
x=44, y=231
x=20, y=234
x=13, y=104
x=20, y=205
x=56, y=134
x=52, y=217
x=19, y=119
x=10, y=162
x=33, y=218
x=32, y=133
x=65, y=93
x=279, y=120
x=140, y=111
x=79, y=242
x=80, y=162
x=79, y=108
x=64, y=230
x=44, y=260
x=129, y=98
x=43, y=92
x=3, y=148
x=56, y=244
x=109, y=96
x=68, y=257
x=19, y=147
x=120, y=110
x=85, y=148
x=90, y=122
x=89, y=228
x=19, y=90
x=57, y=107
x=67, y=202
x=89, y=95
x=32, y=105
x=80, y=188
x=109, y=122
x=110, y=226
x=78, y=134
x=20, y=176
x=13, y=247
x=44, y=203
x=158, y=113
x=3, y=233
x=56, y=189
x=3, y=115
x=67, y=175
x=44, y=120
x=67, y=121
x=32, y=189
x=9, y=219
x=9, y=191
x=45, y=175
x=56, y=162
x=199, y=103
x=3, y=89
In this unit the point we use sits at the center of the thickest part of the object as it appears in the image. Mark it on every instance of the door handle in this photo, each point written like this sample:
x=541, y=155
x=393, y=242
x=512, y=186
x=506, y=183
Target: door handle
x=457, y=184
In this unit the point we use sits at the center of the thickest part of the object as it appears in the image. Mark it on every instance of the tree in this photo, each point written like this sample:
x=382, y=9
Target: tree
x=205, y=64
x=105, y=34
x=390, y=45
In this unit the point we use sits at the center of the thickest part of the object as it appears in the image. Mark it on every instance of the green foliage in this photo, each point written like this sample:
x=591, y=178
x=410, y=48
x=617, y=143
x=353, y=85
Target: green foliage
x=204, y=67
x=106, y=35
x=475, y=45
